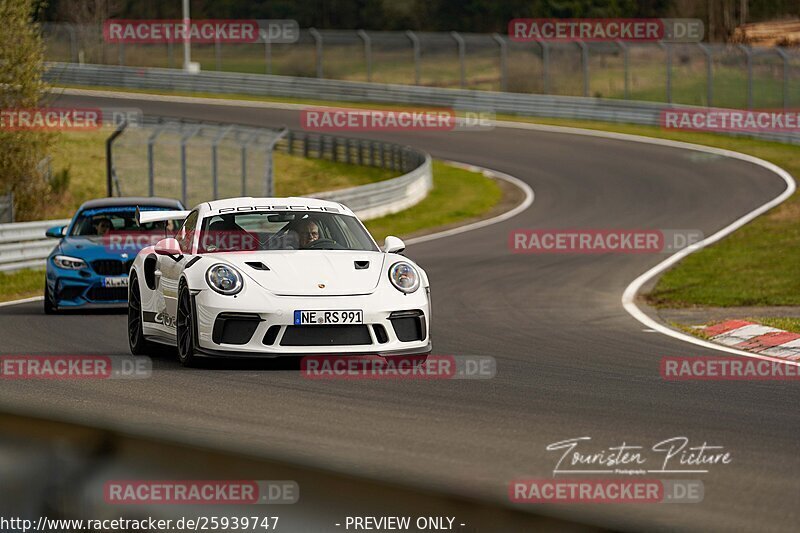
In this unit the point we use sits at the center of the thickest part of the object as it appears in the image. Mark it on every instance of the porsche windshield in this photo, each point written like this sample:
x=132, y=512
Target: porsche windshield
x=283, y=230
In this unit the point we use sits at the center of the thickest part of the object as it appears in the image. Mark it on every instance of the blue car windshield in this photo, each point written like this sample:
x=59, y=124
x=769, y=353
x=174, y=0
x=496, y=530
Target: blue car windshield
x=108, y=220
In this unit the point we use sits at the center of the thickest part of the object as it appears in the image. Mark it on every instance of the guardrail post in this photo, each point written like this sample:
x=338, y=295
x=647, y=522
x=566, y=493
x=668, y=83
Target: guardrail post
x=110, y=157
x=503, y=60
x=545, y=46
x=584, y=65
x=335, y=148
x=415, y=43
x=781, y=52
x=462, y=55
x=749, y=58
x=318, y=42
x=367, y=52
x=121, y=53
x=170, y=55
x=625, y=67
x=709, y=73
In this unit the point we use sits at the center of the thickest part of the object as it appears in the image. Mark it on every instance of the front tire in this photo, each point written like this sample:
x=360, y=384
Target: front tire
x=136, y=340
x=185, y=328
x=49, y=306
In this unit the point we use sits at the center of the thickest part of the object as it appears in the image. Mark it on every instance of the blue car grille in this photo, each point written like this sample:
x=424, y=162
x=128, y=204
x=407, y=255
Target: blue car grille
x=111, y=267
x=107, y=294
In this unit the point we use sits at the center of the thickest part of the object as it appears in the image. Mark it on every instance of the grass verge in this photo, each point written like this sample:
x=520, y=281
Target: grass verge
x=22, y=284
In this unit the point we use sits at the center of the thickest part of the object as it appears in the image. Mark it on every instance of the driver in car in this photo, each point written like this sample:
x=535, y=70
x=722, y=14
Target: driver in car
x=103, y=226
x=307, y=232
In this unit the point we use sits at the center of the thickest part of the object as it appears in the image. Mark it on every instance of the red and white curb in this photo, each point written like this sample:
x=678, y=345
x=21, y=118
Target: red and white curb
x=753, y=337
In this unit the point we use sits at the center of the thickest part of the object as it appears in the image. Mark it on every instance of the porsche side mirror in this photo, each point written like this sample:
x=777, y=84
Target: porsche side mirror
x=55, y=232
x=168, y=247
x=393, y=245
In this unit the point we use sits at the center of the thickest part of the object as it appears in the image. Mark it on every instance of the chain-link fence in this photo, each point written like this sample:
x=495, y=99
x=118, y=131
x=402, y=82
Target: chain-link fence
x=718, y=75
x=200, y=161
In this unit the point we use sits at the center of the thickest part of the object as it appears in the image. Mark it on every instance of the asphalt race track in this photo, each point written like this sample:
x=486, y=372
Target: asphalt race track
x=570, y=361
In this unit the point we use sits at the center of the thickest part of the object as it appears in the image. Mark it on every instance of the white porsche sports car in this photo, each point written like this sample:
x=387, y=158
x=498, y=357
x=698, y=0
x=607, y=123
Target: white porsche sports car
x=275, y=277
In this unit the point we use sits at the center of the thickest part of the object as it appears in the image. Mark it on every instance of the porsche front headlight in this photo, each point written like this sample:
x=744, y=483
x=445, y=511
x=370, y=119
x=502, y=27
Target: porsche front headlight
x=404, y=277
x=69, y=263
x=224, y=279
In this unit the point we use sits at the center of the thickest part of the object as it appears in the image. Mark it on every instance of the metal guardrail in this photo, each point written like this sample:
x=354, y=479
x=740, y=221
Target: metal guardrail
x=23, y=245
x=574, y=107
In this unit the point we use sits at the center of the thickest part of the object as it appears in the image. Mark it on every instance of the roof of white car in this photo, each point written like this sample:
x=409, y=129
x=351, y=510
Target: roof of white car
x=277, y=204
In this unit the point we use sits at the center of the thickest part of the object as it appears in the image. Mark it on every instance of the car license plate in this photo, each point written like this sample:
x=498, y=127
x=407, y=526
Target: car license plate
x=348, y=316
x=121, y=281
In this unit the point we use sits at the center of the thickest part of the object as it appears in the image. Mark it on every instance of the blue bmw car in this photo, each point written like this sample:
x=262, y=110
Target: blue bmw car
x=89, y=266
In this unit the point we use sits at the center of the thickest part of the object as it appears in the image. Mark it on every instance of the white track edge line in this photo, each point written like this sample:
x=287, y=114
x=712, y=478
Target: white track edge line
x=22, y=301
x=629, y=295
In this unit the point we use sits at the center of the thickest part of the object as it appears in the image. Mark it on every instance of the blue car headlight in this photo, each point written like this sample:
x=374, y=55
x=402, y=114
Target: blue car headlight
x=69, y=263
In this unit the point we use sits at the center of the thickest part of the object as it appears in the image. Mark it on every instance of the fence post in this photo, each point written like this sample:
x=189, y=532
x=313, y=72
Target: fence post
x=503, y=61
x=668, y=68
x=151, y=169
x=585, y=66
x=318, y=42
x=781, y=52
x=184, y=178
x=269, y=184
x=110, y=157
x=73, y=43
x=267, y=52
x=218, y=53
x=415, y=43
x=625, y=67
x=170, y=55
x=749, y=55
x=709, y=74
x=462, y=53
x=545, y=46
x=121, y=53
x=367, y=52
x=214, y=161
